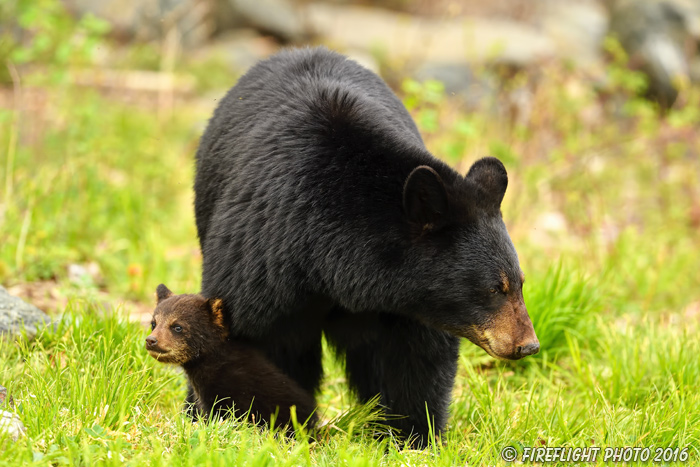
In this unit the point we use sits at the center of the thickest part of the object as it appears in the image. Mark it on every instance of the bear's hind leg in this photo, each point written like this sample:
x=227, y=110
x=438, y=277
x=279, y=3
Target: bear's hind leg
x=293, y=344
x=410, y=365
x=354, y=338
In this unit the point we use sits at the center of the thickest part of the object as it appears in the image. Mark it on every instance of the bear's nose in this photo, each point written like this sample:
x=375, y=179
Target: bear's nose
x=151, y=341
x=528, y=349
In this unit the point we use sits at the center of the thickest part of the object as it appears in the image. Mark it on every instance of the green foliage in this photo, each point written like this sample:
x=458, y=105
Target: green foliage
x=48, y=34
x=425, y=100
x=603, y=206
x=90, y=394
x=110, y=185
x=562, y=303
x=621, y=77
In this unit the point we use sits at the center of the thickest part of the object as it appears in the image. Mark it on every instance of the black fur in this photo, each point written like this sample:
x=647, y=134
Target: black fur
x=240, y=377
x=309, y=224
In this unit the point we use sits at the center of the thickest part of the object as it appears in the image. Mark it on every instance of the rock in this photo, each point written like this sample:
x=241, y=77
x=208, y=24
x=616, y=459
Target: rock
x=239, y=49
x=577, y=27
x=10, y=422
x=654, y=35
x=363, y=58
x=16, y=315
x=460, y=81
x=280, y=18
x=407, y=39
x=192, y=20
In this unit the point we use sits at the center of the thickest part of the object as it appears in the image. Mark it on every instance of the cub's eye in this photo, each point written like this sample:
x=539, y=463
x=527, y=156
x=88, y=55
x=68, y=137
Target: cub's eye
x=153, y=325
x=177, y=328
x=493, y=290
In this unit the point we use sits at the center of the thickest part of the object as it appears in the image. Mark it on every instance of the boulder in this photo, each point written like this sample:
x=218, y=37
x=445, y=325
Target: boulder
x=280, y=18
x=577, y=27
x=655, y=35
x=10, y=422
x=16, y=315
x=408, y=39
x=192, y=20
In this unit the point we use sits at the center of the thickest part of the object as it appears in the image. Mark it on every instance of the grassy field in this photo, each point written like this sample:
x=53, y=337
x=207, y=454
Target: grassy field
x=603, y=206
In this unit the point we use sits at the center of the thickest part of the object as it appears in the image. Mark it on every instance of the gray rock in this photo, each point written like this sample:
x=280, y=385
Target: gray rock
x=239, y=50
x=191, y=20
x=577, y=27
x=364, y=58
x=654, y=34
x=10, y=423
x=460, y=81
x=16, y=315
x=407, y=39
x=281, y=18
x=194, y=22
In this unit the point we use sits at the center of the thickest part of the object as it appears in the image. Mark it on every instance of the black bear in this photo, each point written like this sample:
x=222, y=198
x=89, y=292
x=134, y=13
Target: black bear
x=223, y=373
x=320, y=211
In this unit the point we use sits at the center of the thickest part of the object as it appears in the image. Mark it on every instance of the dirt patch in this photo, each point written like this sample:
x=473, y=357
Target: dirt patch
x=52, y=298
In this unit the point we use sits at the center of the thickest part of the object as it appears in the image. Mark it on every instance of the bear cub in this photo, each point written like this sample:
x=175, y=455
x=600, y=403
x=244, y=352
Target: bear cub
x=224, y=374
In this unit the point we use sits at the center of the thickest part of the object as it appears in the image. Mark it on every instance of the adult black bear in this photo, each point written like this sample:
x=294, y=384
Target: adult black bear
x=320, y=211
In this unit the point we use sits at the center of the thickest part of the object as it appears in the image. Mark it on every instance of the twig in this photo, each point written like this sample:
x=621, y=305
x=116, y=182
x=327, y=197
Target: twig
x=23, y=234
x=12, y=145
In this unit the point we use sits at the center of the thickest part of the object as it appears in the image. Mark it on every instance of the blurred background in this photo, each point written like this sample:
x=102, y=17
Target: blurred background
x=591, y=104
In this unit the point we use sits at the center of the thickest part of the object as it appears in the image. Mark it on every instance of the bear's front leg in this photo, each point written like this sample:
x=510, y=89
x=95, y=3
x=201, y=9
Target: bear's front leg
x=190, y=407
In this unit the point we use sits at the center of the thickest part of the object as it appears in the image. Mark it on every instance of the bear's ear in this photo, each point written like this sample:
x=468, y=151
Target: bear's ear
x=162, y=292
x=491, y=180
x=425, y=198
x=216, y=308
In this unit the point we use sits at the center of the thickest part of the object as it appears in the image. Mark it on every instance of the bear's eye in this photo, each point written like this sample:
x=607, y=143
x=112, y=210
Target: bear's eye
x=177, y=328
x=493, y=290
x=153, y=325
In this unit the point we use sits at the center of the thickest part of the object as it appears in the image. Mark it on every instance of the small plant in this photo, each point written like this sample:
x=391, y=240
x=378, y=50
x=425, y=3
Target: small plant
x=562, y=303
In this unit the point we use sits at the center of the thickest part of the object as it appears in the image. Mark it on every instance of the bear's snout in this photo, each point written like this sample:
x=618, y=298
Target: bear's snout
x=510, y=334
x=151, y=341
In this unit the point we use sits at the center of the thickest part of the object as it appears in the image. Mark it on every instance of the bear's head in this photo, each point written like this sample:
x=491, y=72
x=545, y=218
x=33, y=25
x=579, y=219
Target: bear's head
x=185, y=327
x=471, y=282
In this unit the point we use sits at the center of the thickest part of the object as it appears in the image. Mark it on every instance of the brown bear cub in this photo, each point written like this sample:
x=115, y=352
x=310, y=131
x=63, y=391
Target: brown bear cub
x=225, y=374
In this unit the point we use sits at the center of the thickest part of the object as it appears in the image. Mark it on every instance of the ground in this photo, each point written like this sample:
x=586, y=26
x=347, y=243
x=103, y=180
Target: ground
x=603, y=206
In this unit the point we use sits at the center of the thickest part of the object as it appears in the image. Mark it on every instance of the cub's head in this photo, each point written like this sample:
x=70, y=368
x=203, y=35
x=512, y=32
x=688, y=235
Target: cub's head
x=185, y=327
x=471, y=283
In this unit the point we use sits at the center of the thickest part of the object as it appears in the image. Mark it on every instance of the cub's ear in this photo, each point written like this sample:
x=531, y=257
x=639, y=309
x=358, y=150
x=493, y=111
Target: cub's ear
x=216, y=308
x=491, y=179
x=425, y=198
x=162, y=292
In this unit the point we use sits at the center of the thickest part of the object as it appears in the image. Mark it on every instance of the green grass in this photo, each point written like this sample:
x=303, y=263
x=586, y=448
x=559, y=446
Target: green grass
x=603, y=206
x=89, y=394
x=109, y=186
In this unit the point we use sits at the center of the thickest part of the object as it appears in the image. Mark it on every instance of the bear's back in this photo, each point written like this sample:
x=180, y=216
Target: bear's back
x=282, y=112
x=304, y=83
x=301, y=169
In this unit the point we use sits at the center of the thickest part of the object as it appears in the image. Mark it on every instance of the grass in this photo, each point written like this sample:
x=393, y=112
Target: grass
x=110, y=187
x=90, y=395
x=603, y=206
